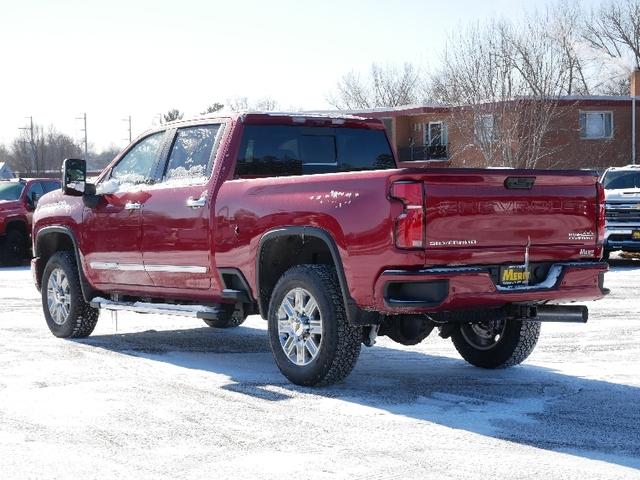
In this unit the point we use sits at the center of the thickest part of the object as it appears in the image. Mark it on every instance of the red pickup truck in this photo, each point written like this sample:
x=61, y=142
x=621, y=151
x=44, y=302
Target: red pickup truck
x=18, y=200
x=308, y=221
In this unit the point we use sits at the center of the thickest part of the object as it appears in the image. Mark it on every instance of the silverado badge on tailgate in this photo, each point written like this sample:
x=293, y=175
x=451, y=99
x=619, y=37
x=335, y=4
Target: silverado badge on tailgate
x=514, y=275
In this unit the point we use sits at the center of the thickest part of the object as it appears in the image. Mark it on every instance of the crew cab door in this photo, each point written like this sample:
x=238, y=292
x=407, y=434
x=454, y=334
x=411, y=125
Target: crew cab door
x=112, y=231
x=176, y=218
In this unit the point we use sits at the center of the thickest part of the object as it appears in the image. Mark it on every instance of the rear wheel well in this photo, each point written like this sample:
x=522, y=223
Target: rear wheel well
x=279, y=254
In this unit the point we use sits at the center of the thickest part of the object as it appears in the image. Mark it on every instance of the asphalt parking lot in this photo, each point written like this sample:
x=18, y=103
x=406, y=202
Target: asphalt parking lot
x=166, y=397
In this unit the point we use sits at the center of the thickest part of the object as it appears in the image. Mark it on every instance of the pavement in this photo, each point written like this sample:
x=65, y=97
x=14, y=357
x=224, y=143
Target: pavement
x=167, y=397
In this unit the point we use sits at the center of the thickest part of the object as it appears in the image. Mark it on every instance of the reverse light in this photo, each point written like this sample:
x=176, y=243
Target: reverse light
x=410, y=225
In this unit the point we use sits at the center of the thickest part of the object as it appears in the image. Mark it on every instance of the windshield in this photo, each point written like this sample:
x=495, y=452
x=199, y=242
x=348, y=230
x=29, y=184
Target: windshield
x=621, y=180
x=10, y=191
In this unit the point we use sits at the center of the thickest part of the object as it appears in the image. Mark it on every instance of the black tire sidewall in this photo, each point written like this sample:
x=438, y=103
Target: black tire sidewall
x=314, y=372
x=15, y=248
x=496, y=357
x=68, y=327
x=229, y=317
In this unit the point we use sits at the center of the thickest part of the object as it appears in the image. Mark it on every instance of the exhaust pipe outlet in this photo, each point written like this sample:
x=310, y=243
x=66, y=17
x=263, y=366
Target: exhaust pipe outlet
x=559, y=313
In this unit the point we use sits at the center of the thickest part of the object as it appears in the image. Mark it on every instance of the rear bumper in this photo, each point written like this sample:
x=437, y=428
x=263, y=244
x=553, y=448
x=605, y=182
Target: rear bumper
x=458, y=288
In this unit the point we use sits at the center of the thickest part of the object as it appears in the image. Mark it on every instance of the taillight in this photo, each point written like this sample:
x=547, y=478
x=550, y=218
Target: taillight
x=409, y=228
x=600, y=213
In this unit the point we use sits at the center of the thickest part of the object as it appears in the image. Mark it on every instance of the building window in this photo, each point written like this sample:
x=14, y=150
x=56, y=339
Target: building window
x=435, y=134
x=485, y=129
x=596, y=125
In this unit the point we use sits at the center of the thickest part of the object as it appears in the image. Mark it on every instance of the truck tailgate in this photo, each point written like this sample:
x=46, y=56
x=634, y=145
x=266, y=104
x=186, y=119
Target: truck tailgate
x=505, y=212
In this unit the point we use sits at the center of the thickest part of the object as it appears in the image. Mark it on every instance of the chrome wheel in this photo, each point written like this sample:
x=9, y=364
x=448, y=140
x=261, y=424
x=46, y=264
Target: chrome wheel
x=483, y=335
x=58, y=296
x=300, y=326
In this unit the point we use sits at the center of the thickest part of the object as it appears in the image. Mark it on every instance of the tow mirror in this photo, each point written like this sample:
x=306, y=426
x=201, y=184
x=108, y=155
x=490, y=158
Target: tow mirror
x=74, y=176
x=33, y=199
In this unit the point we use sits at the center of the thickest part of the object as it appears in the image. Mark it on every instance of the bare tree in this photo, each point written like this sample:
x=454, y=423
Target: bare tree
x=43, y=151
x=214, y=107
x=611, y=38
x=504, y=81
x=614, y=29
x=4, y=154
x=173, y=114
x=386, y=86
x=97, y=161
x=264, y=104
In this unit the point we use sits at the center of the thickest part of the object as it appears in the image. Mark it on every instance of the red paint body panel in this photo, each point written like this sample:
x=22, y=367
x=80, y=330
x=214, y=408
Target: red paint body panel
x=471, y=218
x=175, y=234
x=111, y=233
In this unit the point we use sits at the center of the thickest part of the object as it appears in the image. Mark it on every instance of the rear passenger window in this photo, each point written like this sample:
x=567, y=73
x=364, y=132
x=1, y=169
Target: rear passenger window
x=191, y=153
x=268, y=151
x=273, y=151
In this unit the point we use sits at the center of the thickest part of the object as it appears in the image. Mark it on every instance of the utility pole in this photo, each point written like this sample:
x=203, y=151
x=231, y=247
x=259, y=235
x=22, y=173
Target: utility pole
x=32, y=142
x=128, y=119
x=86, y=146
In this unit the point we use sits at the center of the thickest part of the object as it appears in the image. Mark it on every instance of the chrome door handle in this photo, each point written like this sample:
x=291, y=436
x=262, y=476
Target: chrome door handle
x=132, y=206
x=197, y=203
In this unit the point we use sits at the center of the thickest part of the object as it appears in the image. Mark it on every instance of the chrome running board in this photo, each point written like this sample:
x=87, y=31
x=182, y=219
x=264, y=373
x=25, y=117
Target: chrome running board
x=198, y=311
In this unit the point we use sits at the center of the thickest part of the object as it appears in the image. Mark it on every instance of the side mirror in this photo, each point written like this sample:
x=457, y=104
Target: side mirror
x=74, y=176
x=33, y=199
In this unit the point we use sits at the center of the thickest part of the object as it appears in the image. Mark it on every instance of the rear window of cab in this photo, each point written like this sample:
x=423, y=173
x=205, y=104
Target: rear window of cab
x=286, y=150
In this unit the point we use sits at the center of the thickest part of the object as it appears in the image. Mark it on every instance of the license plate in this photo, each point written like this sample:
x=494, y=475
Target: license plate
x=635, y=234
x=514, y=275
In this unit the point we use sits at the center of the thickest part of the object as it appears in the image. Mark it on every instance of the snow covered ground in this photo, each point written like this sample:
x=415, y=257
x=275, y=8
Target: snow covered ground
x=165, y=397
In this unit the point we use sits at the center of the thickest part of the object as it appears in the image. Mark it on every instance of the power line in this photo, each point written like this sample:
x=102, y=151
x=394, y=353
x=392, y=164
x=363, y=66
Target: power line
x=128, y=119
x=86, y=145
x=32, y=142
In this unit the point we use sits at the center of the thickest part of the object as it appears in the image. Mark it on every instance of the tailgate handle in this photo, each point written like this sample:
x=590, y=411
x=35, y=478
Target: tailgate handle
x=519, y=183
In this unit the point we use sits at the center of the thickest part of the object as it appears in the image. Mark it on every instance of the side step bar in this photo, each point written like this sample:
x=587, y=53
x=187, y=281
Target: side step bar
x=198, y=311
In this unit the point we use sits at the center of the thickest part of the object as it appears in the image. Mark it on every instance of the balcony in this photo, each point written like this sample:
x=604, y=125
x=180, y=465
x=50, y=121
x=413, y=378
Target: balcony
x=414, y=154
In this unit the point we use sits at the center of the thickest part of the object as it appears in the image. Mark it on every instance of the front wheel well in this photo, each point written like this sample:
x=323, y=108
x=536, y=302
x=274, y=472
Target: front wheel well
x=47, y=245
x=18, y=225
x=279, y=253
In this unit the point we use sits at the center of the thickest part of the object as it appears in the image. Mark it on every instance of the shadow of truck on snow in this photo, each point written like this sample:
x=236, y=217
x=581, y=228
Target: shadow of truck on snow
x=527, y=404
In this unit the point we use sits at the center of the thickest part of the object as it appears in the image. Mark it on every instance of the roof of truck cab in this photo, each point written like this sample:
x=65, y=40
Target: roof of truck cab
x=293, y=118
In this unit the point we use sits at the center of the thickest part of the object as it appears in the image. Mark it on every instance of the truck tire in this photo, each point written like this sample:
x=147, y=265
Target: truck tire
x=66, y=312
x=496, y=344
x=310, y=337
x=14, y=248
x=230, y=316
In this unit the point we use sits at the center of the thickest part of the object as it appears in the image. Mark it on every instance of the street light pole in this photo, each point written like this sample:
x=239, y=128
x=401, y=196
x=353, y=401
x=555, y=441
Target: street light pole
x=86, y=145
x=128, y=119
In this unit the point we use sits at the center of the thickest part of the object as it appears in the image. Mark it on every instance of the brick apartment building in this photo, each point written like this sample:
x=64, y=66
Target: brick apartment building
x=590, y=132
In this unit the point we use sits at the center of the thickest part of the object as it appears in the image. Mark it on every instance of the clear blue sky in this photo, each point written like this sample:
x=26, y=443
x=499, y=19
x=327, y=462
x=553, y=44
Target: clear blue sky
x=115, y=58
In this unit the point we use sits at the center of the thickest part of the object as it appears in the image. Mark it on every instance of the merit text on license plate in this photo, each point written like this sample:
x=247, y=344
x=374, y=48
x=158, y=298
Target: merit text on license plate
x=514, y=275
